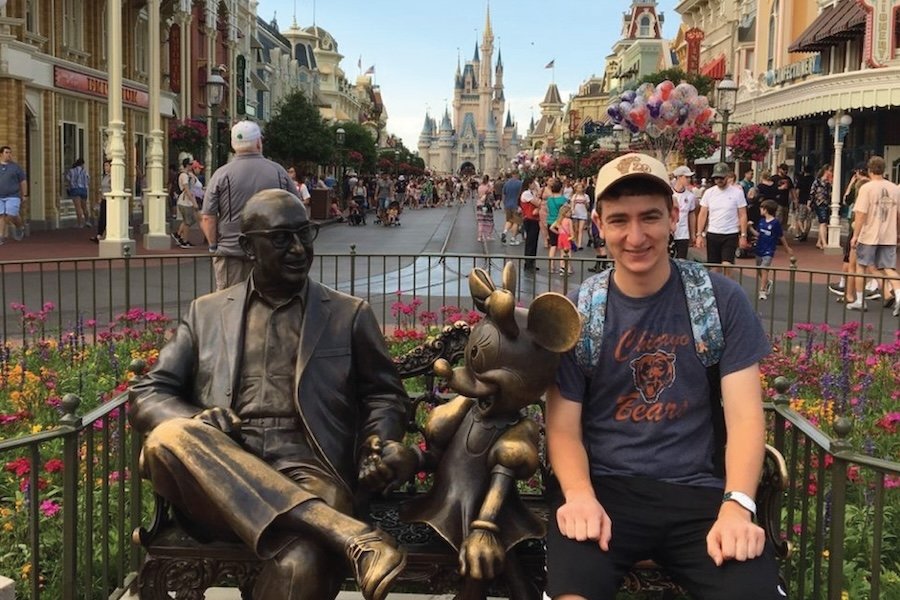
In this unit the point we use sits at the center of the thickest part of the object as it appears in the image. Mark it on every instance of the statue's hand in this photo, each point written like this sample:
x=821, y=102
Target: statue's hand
x=481, y=556
x=223, y=419
x=385, y=466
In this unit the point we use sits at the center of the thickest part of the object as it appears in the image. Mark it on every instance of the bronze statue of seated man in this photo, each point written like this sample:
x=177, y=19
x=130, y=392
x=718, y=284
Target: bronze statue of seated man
x=259, y=412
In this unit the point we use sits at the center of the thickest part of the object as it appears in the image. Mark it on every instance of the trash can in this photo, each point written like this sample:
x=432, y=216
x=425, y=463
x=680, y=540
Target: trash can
x=318, y=204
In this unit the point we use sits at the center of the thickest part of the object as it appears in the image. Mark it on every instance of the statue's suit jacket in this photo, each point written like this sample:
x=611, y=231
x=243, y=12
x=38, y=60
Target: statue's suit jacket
x=348, y=387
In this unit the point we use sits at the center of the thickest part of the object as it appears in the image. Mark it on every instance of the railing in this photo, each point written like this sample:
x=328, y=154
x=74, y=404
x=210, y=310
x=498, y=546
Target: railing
x=71, y=521
x=89, y=292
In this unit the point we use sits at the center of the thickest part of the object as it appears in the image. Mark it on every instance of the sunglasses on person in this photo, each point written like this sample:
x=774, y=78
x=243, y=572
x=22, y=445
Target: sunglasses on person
x=281, y=238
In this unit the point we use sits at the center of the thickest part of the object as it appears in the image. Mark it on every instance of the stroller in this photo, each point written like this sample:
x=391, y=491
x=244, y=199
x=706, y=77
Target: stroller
x=355, y=215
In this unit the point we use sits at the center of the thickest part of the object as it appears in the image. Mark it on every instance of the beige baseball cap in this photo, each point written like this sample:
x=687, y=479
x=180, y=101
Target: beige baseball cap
x=632, y=166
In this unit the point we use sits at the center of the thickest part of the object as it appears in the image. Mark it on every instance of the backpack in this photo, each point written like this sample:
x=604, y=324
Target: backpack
x=706, y=327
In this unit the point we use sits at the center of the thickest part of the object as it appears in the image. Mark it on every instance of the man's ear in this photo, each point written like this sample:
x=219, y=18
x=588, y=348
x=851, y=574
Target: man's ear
x=247, y=246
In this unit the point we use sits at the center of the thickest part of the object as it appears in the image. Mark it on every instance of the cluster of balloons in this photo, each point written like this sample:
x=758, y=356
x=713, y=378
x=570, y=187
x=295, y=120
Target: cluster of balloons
x=659, y=110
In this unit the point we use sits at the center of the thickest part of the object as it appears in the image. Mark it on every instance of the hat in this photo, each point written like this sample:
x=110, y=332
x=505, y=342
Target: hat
x=402, y=178
x=196, y=165
x=245, y=131
x=721, y=170
x=683, y=172
x=632, y=166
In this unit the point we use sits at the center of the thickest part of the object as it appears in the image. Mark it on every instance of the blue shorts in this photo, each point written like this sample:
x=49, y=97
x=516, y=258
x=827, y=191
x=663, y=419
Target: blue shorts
x=10, y=206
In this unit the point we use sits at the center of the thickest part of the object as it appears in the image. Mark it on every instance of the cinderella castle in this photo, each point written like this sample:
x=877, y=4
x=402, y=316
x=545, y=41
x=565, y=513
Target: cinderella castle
x=474, y=141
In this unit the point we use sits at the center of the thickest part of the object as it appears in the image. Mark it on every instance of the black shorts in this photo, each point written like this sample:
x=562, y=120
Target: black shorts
x=552, y=237
x=721, y=247
x=664, y=522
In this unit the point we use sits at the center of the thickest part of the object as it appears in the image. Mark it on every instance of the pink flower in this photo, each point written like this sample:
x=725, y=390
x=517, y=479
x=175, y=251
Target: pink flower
x=49, y=508
x=21, y=467
x=54, y=465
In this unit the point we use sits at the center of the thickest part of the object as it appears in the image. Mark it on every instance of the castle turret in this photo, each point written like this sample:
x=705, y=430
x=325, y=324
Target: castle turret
x=426, y=137
x=491, y=148
x=445, y=145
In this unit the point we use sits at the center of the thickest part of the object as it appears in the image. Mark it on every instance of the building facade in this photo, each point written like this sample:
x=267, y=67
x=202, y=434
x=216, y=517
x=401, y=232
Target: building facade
x=477, y=139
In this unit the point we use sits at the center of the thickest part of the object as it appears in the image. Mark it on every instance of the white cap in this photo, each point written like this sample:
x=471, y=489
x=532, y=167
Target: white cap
x=245, y=131
x=632, y=166
x=683, y=171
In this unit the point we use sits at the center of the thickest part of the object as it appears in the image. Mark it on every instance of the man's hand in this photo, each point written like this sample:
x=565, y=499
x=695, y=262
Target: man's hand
x=386, y=466
x=223, y=419
x=583, y=518
x=743, y=243
x=700, y=242
x=734, y=536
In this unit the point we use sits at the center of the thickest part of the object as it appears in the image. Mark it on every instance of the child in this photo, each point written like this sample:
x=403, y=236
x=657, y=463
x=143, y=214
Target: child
x=354, y=216
x=768, y=231
x=563, y=229
x=484, y=216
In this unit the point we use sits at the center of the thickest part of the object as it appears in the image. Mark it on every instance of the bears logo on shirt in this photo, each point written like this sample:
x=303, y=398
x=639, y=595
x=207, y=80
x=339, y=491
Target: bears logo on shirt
x=653, y=372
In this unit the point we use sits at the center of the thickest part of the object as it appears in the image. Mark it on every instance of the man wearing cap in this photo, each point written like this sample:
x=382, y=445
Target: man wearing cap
x=188, y=201
x=687, y=211
x=629, y=421
x=787, y=193
x=226, y=194
x=722, y=222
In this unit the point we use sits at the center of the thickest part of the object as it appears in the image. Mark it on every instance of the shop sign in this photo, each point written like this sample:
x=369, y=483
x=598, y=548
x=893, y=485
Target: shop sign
x=808, y=66
x=694, y=37
x=879, y=40
x=97, y=86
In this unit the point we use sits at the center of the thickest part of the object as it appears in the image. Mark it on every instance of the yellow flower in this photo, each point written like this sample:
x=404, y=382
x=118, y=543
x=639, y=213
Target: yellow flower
x=8, y=527
x=37, y=428
x=825, y=553
x=845, y=595
x=26, y=570
x=5, y=512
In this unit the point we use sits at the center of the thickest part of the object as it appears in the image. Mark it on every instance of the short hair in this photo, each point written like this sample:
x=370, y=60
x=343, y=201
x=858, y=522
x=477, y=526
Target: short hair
x=765, y=174
x=556, y=187
x=770, y=206
x=876, y=165
x=5, y=148
x=825, y=168
x=185, y=162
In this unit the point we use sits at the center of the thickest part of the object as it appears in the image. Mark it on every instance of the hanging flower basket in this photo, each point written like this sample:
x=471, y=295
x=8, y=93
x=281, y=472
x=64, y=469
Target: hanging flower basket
x=189, y=135
x=750, y=142
x=696, y=142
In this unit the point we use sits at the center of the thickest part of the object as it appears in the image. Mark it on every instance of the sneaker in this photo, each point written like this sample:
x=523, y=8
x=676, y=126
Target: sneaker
x=858, y=305
x=873, y=294
x=889, y=302
x=763, y=295
x=837, y=289
x=770, y=285
x=88, y=224
x=503, y=238
x=176, y=237
x=184, y=244
x=18, y=233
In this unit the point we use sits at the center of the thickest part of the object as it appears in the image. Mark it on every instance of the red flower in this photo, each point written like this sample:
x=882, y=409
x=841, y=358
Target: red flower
x=54, y=465
x=20, y=466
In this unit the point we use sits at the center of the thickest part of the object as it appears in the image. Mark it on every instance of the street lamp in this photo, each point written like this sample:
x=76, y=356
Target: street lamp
x=726, y=99
x=215, y=93
x=839, y=125
x=577, y=144
x=340, y=137
x=397, y=162
x=618, y=135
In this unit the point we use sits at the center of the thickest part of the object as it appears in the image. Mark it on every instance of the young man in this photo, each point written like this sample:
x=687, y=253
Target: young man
x=876, y=225
x=13, y=192
x=722, y=222
x=630, y=434
x=687, y=211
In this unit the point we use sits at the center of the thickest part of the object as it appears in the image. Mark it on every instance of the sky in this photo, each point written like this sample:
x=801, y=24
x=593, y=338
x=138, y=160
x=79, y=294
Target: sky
x=414, y=44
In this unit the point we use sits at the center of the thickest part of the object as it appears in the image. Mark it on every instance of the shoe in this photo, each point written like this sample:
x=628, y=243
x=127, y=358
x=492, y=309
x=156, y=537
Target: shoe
x=376, y=563
x=873, y=294
x=18, y=233
x=184, y=244
x=858, y=305
x=176, y=238
x=889, y=302
x=95, y=239
x=503, y=238
x=763, y=295
x=836, y=289
x=770, y=285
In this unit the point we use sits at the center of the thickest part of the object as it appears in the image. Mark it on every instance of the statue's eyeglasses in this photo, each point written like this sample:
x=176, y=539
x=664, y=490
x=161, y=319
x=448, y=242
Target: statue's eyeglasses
x=282, y=238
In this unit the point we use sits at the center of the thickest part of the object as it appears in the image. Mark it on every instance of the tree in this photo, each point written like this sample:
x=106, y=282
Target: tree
x=704, y=84
x=357, y=138
x=296, y=133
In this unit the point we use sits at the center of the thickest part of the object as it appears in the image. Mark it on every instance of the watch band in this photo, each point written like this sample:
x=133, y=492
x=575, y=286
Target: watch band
x=742, y=499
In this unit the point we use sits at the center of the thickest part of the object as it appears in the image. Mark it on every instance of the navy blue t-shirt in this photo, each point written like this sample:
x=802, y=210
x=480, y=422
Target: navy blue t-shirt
x=769, y=234
x=645, y=408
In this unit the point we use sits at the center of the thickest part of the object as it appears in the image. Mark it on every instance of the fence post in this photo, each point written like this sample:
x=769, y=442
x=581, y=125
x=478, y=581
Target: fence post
x=137, y=368
x=126, y=254
x=842, y=427
x=352, y=269
x=72, y=422
x=792, y=294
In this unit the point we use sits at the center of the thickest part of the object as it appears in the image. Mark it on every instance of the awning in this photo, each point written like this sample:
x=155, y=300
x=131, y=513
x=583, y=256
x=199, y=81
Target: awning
x=846, y=19
x=714, y=158
x=258, y=83
x=715, y=68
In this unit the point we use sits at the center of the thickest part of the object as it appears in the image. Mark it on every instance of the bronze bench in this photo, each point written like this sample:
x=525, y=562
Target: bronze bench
x=177, y=563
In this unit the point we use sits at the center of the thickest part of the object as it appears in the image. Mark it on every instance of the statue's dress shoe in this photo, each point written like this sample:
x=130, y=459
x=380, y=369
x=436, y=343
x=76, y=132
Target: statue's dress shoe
x=376, y=563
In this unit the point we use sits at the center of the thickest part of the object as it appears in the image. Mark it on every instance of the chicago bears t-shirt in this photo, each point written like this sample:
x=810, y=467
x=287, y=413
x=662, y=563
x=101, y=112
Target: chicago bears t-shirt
x=645, y=407
x=769, y=234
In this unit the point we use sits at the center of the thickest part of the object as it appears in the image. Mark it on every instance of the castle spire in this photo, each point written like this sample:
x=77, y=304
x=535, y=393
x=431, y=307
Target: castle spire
x=488, y=32
x=476, y=58
x=499, y=59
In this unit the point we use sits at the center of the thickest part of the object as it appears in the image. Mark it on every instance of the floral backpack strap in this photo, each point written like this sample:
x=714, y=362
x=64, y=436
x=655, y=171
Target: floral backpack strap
x=592, y=308
x=706, y=325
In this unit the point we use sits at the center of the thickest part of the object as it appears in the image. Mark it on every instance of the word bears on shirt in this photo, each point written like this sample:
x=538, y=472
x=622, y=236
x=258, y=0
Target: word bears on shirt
x=631, y=407
x=644, y=341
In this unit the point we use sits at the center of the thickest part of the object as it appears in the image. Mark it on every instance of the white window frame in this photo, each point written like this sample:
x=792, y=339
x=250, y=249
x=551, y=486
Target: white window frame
x=73, y=24
x=142, y=44
x=645, y=26
x=772, y=47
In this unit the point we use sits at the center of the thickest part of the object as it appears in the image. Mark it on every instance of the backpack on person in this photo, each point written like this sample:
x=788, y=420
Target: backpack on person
x=706, y=328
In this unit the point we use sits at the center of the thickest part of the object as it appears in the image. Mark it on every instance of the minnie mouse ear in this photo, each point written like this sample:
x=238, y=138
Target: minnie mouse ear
x=480, y=286
x=554, y=323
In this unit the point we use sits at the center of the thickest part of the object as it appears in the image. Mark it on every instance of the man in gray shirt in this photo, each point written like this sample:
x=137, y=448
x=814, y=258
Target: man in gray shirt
x=226, y=194
x=13, y=189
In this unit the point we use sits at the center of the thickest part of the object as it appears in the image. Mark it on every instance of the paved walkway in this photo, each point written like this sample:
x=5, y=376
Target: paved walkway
x=423, y=231
x=234, y=594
